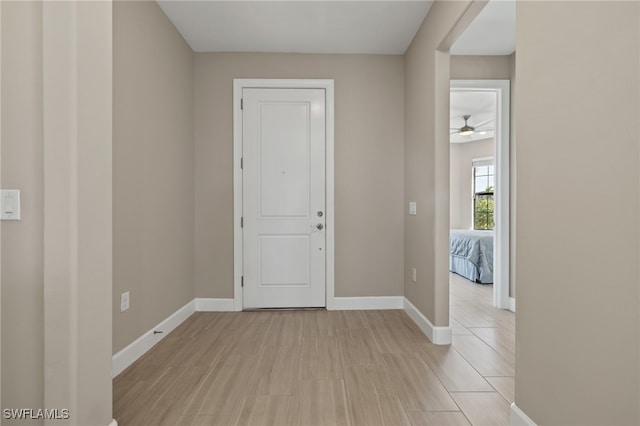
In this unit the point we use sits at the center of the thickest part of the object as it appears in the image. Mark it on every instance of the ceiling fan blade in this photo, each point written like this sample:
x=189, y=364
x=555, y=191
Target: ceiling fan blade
x=482, y=123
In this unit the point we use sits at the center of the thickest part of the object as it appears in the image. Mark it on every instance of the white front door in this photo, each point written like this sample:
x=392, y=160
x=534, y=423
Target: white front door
x=283, y=151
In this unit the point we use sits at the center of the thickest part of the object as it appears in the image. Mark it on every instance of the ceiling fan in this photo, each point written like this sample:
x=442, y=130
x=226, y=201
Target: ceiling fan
x=468, y=130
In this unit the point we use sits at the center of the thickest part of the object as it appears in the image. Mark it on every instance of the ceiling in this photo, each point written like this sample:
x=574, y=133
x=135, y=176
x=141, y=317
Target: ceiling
x=493, y=32
x=359, y=27
x=329, y=26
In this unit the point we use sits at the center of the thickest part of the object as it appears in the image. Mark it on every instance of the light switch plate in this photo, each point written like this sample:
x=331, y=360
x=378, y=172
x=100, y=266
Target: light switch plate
x=412, y=208
x=10, y=204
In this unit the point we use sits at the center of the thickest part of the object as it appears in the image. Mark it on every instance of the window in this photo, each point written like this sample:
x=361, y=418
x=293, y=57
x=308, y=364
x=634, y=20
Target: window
x=483, y=181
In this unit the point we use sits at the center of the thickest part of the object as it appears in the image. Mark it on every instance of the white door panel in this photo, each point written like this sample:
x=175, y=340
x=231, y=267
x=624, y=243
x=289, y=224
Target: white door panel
x=284, y=160
x=283, y=191
x=284, y=260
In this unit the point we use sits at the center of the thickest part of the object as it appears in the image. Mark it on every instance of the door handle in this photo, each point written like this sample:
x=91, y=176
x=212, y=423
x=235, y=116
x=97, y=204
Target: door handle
x=320, y=226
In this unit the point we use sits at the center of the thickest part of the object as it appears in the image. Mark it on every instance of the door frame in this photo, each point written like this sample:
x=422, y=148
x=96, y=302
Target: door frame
x=502, y=167
x=238, y=86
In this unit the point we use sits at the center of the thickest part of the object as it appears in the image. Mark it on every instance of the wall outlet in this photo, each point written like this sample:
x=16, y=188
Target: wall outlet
x=124, y=301
x=414, y=275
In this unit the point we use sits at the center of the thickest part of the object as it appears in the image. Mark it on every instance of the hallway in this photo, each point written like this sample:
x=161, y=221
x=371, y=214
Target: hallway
x=319, y=367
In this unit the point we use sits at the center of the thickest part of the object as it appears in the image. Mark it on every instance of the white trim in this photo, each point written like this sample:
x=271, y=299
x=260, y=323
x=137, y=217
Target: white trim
x=328, y=86
x=113, y=422
x=237, y=195
x=501, y=247
x=437, y=335
x=483, y=161
x=214, y=305
x=512, y=304
x=519, y=418
x=142, y=344
x=367, y=303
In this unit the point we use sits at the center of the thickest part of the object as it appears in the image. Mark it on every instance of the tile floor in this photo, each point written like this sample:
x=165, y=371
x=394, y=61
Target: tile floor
x=326, y=368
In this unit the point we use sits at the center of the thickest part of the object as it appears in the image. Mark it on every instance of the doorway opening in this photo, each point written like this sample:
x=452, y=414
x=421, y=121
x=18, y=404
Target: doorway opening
x=482, y=174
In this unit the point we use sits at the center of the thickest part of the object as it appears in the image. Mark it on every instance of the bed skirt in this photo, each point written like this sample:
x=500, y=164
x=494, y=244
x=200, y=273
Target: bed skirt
x=462, y=266
x=471, y=254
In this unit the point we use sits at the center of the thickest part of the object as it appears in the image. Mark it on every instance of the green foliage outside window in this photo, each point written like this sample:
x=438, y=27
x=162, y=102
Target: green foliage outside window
x=483, y=209
x=483, y=181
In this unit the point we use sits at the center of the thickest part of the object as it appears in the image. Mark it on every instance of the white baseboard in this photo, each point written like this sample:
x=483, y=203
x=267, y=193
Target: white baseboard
x=214, y=305
x=438, y=335
x=142, y=344
x=519, y=418
x=512, y=304
x=366, y=303
x=113, y=422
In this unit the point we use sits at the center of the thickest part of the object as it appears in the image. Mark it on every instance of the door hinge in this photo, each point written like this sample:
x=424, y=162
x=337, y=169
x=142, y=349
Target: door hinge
x=241, y=104
x=241, y=222
x=242, y=281
x=241, y=162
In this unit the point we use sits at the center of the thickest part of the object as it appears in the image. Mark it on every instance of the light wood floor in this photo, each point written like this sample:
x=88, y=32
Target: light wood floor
x=326, y=368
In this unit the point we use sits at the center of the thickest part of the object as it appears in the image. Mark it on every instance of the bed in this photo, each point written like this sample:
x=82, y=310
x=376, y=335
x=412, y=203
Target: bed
x=471, y=254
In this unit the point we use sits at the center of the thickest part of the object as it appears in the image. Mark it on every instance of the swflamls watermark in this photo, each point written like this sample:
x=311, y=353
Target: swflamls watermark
x=35, y=413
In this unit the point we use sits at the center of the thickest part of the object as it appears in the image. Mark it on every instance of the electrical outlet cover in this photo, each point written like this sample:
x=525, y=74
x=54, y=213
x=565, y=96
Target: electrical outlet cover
x=124, y=301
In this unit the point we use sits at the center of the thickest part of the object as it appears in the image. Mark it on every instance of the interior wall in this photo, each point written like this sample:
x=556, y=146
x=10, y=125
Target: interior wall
x=56, y=290
x=470, y=67
x=368, y=165
x=153, y=207
x=461, y=180
x=22, y=168
x=427, y=75
x=78, y=265
x=578, y=231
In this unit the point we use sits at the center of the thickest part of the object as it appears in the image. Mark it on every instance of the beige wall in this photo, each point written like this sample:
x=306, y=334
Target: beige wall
x=77, y=111
x=93, y=38
x=460, y=180
x=577, y=346
x=427, y=75
x=480, y=67
x=368, y=165
x=56, y=289
x=153, y=169
x=22, y=168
